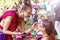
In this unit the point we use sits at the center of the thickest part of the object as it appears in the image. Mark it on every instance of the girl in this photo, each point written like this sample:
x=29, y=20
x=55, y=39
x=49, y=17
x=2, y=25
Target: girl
x=10, y=19
x=47, y=30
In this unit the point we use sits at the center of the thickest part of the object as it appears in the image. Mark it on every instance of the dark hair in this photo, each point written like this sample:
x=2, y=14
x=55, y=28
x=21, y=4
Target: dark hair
x=27, y=6
x=49, y=27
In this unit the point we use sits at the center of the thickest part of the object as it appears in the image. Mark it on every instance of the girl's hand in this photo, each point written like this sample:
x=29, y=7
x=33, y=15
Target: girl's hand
x=34, y=25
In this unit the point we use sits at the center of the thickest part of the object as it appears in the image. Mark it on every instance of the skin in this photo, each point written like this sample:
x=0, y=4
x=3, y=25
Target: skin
x=45, y=35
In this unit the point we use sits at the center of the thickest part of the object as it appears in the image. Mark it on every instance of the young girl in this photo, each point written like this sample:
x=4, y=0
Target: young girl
x=47, y=30
x=10, y=19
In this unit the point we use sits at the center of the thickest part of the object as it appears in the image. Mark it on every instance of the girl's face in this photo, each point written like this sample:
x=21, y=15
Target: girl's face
x=42, y=18
x=27, y=13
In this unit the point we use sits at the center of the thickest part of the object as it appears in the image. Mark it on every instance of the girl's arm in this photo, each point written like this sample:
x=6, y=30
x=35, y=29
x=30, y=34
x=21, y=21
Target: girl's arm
x=32, y=27
x=6, y=25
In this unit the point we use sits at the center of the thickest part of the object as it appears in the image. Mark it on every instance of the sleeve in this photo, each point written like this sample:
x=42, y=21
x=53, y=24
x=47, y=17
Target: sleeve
x=8, y=13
